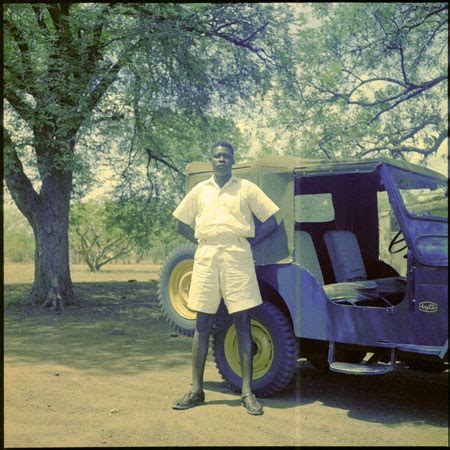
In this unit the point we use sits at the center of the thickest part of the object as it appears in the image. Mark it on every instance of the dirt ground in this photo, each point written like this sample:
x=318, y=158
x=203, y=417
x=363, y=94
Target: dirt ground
x=106, y=374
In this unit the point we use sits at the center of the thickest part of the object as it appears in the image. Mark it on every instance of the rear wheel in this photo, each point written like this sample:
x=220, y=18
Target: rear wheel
x=274, y=352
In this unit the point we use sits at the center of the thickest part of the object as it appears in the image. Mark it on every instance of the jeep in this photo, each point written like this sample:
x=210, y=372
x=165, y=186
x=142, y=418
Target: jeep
x=342, y=286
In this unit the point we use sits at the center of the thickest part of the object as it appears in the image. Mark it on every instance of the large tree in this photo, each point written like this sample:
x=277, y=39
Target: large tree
x=372, y=80
x=67, y=63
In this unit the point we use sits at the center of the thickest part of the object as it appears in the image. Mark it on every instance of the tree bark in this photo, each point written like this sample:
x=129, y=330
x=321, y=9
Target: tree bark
x=52, y=284
x=48, y=215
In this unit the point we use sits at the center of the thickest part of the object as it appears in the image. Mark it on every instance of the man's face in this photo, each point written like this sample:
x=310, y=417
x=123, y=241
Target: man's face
x=222, y=160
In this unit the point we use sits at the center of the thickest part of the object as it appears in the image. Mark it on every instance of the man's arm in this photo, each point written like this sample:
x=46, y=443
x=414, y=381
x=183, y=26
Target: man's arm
x=264, y=230
x=186, y=231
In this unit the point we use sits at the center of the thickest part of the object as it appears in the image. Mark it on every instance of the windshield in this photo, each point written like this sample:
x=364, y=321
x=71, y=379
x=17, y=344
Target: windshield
x=422, y=195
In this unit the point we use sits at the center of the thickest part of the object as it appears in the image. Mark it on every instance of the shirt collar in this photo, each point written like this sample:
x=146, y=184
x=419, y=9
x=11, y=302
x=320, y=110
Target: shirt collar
x=212, y=181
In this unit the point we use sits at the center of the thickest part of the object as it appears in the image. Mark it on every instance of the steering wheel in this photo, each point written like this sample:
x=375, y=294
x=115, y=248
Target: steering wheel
x=395, y=241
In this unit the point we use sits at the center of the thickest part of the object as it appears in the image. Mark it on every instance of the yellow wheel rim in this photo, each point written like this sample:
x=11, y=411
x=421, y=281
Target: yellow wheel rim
x=264, y=350
x=179, y=283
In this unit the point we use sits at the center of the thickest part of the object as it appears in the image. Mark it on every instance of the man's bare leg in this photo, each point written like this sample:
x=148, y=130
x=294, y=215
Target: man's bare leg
x=241, y=322
x=196, y=396
x=200, y=344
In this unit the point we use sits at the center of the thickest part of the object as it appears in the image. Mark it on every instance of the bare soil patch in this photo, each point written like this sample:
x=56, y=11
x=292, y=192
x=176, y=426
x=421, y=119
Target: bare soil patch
x=107, y=373
x=24, y=273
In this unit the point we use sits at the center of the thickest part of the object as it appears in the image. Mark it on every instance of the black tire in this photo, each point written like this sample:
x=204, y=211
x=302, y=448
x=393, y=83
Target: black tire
x=275, y=357
x=427, y=366
x=173, y=290
x=174, y=282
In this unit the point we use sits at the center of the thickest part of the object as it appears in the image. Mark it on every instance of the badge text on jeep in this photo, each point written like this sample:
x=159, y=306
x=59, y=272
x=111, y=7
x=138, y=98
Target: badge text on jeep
x=428, y=307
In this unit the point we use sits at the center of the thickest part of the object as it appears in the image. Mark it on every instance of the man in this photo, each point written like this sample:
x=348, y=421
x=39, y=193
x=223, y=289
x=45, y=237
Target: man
x=220, y=211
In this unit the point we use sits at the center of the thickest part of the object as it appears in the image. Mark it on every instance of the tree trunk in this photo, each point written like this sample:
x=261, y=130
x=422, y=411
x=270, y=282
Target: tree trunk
x=52, y=282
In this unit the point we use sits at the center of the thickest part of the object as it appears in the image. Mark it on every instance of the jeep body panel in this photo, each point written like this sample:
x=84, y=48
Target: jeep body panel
x=314, y=316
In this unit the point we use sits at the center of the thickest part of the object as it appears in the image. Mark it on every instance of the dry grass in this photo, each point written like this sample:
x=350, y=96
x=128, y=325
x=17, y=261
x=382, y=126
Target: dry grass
x=15, y=273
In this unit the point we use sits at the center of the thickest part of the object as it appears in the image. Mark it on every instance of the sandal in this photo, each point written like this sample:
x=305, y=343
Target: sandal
x=253, y=407
x=189, y=400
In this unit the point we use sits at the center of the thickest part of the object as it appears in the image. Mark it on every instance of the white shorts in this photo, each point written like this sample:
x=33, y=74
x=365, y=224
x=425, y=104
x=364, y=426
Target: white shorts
x=224, y=271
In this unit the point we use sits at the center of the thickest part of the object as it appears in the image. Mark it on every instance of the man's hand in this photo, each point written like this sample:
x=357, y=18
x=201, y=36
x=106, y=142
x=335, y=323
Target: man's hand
x=186, y=231
x=264, y=230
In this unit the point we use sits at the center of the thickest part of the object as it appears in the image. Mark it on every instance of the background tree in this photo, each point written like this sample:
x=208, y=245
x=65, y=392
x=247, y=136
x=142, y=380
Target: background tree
x=372, y=80
x=66, y=64
x=104, y=232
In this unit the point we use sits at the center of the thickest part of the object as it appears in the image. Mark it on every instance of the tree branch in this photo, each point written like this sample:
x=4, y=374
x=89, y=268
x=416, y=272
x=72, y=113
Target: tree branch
x=402, y=63
x=20, y=106
x=427, y=44
x=431, y=13
x=20, y=187
x=106, y=81
x=55, y=14
x=39, y=13
x=253, y=35
x=259, y=52
x=398, y=150
x=409, y=92
x=161, y=159
x=371, y=80
x=123, y=251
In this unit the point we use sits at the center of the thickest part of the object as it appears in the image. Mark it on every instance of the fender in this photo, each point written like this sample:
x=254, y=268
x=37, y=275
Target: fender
x=305, y=299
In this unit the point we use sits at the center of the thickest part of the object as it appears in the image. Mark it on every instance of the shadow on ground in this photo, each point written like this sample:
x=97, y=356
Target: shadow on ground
x=403, y=396
x=120, y=329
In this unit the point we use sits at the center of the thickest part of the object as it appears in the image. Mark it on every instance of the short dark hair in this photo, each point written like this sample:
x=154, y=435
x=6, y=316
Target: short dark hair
x=225, y=144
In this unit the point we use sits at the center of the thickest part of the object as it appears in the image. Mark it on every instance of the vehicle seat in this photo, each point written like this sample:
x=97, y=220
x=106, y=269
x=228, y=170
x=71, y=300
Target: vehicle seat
x=306, y=257
x=348, y=265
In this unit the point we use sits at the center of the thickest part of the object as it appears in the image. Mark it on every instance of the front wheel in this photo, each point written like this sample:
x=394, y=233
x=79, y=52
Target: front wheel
x=275, y=352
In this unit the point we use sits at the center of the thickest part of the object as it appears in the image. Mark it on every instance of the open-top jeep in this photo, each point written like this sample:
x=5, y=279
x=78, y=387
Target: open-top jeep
x=327, y=277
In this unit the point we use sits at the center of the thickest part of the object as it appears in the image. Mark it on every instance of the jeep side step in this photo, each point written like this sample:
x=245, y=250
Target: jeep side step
x=371, y=367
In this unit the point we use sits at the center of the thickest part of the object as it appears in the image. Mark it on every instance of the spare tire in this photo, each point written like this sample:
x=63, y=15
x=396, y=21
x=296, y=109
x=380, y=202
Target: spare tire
x=173, y=292
x=173, y=289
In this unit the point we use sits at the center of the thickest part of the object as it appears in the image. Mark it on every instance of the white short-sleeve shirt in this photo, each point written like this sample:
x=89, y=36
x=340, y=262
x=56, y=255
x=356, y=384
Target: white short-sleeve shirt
x=214, y=212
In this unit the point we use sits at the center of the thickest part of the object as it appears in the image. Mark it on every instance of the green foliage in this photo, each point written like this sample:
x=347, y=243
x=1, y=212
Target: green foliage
x=372, y=80
x=61, y=59
x=81, y=78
